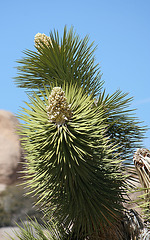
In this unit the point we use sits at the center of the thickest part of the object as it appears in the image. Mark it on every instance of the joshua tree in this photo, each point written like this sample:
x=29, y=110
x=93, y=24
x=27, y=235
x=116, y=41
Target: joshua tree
x=76, y=138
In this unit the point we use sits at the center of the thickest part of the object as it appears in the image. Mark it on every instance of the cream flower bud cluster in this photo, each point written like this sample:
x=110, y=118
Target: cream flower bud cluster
x=41, y=37
x=58, y=110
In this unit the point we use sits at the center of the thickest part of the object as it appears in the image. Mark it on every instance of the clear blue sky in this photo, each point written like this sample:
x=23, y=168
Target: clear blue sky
x=120, y=28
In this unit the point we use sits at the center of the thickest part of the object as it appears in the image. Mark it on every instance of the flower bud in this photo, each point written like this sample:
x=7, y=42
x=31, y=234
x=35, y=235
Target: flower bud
x=58, y=109
x=41, y=37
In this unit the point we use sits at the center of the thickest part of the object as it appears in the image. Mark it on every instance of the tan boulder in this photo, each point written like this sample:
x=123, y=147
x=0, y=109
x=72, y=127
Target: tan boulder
x=10, y=149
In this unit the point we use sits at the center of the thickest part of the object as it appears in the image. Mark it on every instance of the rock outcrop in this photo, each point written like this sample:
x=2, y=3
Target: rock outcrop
x=10, y=149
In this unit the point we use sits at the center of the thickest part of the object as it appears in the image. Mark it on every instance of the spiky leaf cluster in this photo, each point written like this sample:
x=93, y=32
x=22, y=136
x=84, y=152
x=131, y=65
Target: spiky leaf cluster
x=75, y=171
x=125, y=129
x=69, y=59
x=32, y=230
